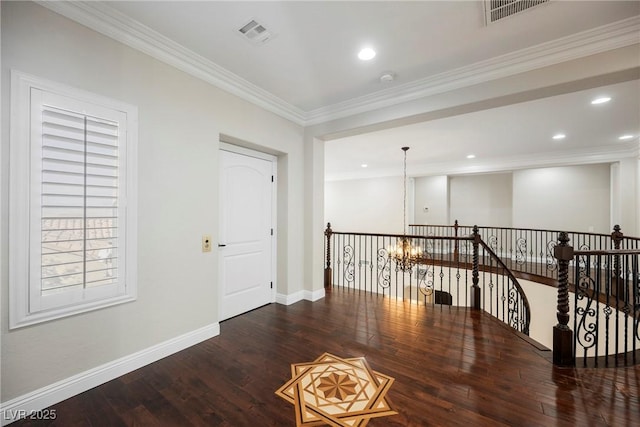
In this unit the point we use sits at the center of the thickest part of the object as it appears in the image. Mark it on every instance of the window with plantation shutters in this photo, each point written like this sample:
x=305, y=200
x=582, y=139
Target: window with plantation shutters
x=79, y=201
x=81, y=219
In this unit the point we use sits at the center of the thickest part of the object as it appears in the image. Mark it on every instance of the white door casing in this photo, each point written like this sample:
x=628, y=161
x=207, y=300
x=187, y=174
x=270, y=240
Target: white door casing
x=246, y=238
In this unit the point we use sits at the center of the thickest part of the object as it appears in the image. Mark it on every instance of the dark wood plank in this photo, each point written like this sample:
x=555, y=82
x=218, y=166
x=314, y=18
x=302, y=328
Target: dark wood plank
x=452, y=366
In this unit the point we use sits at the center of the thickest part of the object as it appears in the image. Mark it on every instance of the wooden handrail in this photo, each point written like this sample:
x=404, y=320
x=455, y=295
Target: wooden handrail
x=411, y=236
x=528, y=252
x=481, y=227
x=515, y=282
x=609, y=252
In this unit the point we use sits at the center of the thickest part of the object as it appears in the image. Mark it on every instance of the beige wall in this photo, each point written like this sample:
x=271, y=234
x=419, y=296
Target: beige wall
x=180, y=120
x=481, y=199
x=571, y=198
x=625, y=186
x=364, y=205
x=432, y=193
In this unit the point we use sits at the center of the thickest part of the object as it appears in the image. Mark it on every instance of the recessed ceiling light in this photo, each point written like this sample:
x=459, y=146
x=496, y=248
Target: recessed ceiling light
x=366, y=54
x=471, y=156
x=625, y=137
x=364, y=165
x=601, y=100
x=559, y=136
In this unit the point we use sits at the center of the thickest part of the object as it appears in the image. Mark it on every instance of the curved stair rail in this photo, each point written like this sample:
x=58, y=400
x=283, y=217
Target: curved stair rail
x=598, y=286
x=519, y=311
x=454, y=270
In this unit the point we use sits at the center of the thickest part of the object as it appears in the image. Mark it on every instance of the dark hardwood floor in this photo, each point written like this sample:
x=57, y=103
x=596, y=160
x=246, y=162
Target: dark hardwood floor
x=451, y=367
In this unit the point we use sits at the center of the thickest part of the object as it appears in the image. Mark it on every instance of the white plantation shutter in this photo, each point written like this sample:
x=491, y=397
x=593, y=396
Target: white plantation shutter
x=78, y=213
x=79, y=196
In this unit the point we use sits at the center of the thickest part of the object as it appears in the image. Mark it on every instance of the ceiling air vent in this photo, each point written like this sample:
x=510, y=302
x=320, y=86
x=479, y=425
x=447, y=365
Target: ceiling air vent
x=255, y=32
x=495, y=10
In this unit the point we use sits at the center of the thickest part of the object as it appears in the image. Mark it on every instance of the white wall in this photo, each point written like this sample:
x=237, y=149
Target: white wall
x=180, y=120
x=628, y=196
x=571, y=198
x=314, y=260
x=481, y=199
x=542, y=302
x=432, y=192
x=364, y=205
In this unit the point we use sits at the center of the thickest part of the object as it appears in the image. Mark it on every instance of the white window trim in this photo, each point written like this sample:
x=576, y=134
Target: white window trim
x=20, y=195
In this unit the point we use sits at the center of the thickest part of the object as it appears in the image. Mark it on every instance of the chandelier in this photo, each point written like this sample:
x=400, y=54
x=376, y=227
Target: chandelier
x=405, y=254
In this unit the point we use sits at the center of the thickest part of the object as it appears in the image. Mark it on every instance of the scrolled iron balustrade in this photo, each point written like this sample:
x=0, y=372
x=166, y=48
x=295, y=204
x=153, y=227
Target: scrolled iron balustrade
x=461, y=271
x=605, y=282
x=521, y=250
x=349, y=268
x=607, y=307
x=384, y=269
x=493, y=242
x=527, y=252
x=586, y=315
x=517, y=305
x=425, y=280
x=514, y=309
x=552, y=263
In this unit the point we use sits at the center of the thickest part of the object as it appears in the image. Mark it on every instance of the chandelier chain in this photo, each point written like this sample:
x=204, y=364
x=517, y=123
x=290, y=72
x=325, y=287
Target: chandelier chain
x=405, y=254
x=404, y=198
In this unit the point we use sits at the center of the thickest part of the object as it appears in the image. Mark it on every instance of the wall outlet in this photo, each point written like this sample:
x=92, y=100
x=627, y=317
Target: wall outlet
x=206, y=243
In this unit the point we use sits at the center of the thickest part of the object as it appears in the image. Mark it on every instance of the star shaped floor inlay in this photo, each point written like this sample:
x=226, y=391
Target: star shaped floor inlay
x=338, y=392
x=337, y=386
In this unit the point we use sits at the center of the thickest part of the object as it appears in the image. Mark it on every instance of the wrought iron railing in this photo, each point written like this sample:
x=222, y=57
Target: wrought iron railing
x=461, y=271
x=598, y=284
x=528, y=252
x=606, y=307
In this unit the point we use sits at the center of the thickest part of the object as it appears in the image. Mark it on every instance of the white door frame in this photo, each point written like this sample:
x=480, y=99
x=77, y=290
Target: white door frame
x=224, y=146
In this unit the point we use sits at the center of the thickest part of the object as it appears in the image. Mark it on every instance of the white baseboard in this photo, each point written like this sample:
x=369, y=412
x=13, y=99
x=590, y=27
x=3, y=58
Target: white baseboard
x=314, y=295
x=299, y=296
x=40, y=399
x=293, y=298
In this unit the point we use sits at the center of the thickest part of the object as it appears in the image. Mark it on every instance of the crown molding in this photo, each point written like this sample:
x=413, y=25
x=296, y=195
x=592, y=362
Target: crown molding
x=506, y=164
x=100, y=17
x=118, y=26
x=590, y=42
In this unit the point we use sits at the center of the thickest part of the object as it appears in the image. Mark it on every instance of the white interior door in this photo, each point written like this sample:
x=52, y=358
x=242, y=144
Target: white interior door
x=246, y=233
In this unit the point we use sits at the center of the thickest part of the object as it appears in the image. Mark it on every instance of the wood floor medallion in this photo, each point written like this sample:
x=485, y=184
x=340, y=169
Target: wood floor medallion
x=338, y=392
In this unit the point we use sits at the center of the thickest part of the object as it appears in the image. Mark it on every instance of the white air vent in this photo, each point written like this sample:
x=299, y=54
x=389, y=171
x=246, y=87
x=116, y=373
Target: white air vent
x=495, y=10
x=255, y=32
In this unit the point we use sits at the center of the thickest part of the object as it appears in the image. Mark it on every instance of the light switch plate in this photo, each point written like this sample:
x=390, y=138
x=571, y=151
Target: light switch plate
x=206, y=243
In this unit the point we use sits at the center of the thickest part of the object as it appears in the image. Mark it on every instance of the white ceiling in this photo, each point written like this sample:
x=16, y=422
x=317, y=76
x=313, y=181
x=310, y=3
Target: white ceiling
x=513, y=136
x=310, y=69
x=311, y=63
